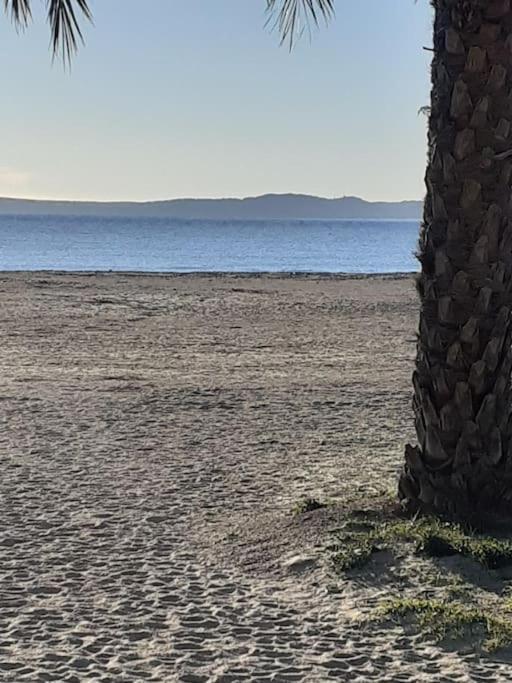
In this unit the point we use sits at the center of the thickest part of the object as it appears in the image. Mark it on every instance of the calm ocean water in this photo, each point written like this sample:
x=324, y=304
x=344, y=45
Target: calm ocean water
x=155, y=244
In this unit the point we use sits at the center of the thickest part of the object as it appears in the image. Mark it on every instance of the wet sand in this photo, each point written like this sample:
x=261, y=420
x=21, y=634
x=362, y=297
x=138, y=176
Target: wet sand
x=156, y=433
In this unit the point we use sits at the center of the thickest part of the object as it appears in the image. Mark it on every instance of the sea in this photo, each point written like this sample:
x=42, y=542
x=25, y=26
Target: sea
x=78, y=243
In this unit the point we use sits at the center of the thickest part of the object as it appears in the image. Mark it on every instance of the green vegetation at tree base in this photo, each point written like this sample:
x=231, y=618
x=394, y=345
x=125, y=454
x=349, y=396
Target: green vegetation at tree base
x=441, y=620
x=358, y=541
x=469, y=600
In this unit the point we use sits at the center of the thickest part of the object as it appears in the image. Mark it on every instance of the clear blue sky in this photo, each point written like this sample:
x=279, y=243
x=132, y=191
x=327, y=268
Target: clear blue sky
x=196, y=98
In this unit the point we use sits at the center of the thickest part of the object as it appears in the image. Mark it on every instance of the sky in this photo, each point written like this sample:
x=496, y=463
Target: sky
x=197, y=99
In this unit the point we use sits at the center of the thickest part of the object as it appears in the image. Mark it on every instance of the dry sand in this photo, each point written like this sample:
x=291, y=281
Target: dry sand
x=156, y=432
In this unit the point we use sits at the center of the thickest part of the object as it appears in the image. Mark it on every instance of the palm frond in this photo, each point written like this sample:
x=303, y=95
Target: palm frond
x=19, y=11
x=293, y=16
x=62, y=17
x=64, y=26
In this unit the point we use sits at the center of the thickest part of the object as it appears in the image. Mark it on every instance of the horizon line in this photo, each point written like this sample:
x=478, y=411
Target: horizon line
x=203, y=198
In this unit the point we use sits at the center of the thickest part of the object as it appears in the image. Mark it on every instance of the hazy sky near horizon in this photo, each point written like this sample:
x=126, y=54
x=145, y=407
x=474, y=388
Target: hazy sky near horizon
x=197, y=99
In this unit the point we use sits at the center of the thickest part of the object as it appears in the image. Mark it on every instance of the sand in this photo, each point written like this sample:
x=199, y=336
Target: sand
x=156, y=433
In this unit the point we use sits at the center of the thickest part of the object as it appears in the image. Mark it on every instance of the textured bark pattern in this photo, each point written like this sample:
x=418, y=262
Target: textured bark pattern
x=462, y=465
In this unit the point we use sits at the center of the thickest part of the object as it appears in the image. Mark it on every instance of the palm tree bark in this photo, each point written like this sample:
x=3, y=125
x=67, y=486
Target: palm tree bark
x=462, y=465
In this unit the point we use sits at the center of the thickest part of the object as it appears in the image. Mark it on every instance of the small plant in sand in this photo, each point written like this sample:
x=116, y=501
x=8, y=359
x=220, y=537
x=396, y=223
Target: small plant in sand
x=446, y=619
x=355, y=556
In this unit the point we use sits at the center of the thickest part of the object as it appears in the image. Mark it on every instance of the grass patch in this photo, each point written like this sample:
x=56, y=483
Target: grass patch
x=444, y=600
x=441, y=539
x=354, y=556
x=360, y=538
x=441, y=620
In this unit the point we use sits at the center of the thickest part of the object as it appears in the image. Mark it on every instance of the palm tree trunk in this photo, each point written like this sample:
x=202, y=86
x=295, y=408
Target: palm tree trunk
x=462, y=466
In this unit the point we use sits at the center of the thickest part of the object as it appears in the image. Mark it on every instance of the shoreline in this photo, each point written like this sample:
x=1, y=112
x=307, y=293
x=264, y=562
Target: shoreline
x=279, y=275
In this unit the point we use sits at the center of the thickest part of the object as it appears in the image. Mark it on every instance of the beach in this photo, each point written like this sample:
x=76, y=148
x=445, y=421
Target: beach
x=157, y=432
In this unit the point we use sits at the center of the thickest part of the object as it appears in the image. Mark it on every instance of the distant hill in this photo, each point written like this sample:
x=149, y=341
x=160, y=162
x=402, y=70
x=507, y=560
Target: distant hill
x=269, y=206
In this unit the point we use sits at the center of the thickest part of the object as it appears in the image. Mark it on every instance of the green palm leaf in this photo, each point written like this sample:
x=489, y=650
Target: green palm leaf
x=19, y=11
x=62, y=17
x=65, y=29
x=293, y=16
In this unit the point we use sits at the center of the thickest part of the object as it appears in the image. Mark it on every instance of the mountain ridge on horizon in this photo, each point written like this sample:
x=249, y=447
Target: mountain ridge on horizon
x=267, y=206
